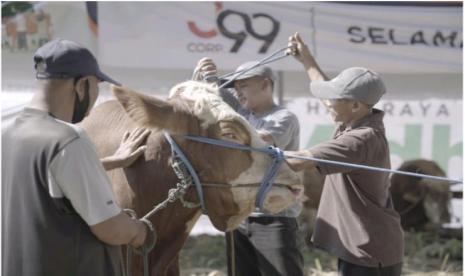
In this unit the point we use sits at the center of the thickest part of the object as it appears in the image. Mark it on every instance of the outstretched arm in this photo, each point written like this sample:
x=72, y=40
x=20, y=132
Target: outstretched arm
x=302, y=54
x=297, y=164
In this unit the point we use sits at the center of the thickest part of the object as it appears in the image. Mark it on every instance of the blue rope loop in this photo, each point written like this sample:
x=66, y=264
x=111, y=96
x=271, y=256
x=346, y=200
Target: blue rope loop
x=177, y=153
x=278, y=157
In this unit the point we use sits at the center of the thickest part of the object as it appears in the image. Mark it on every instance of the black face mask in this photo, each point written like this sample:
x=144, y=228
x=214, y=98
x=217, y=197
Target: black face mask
x=80, y=107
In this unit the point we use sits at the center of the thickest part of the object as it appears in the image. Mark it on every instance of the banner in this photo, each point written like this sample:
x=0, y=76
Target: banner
x=430, y=129
x=28, y=25
x=385, y=38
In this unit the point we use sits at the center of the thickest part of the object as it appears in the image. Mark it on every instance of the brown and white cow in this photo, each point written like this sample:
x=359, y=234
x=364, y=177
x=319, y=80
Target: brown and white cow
x=192, y=108
x=423, y=204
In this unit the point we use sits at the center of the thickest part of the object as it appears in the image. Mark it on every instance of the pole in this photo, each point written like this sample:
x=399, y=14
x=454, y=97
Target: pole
x=280, y=88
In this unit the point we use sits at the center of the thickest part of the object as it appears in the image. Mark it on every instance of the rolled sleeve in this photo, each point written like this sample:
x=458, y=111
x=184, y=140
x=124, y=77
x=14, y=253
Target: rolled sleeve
x=77, y=171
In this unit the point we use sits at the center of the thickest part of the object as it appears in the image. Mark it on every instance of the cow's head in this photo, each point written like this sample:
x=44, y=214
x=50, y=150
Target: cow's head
x=197, y=109
x=433, y=195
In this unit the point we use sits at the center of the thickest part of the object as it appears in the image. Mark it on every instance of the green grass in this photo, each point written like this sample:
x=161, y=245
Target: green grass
x=425, y=254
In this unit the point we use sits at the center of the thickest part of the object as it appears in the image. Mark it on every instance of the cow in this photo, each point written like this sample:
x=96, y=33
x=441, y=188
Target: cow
x=197, y=109
x=423, y=204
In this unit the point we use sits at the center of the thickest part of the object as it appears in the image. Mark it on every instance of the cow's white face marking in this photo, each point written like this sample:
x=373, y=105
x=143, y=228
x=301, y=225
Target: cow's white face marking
x=278, y=198
x=437, y=201
x=210, y=108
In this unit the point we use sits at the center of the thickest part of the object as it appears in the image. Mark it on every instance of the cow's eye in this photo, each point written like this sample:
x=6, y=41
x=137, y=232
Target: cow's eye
x=230, y=136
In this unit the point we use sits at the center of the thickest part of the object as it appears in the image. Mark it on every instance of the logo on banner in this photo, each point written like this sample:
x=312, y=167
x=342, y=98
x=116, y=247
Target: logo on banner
x=379, y=35
x=237, y=36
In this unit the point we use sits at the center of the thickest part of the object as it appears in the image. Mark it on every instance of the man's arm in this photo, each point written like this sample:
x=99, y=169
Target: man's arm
x=119, y=230
x=128, y=151
x=349, y=148
x=77, y=174
x=299, y=164
x=301, y=52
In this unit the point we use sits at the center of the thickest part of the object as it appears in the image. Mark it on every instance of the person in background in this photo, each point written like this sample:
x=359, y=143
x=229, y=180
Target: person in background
x=21, y=29
x=264, y=244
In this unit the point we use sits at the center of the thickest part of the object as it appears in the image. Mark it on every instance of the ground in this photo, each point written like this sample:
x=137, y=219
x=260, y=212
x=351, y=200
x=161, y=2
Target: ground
x=426, y=254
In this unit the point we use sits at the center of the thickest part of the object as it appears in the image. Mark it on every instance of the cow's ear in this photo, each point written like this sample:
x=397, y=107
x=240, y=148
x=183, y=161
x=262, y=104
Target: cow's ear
x=145, y=110
x=436, y=186
x=414, y=195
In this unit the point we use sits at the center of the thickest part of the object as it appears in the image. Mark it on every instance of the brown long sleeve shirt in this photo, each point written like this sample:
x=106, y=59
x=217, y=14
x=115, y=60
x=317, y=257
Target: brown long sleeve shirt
x=356, y=220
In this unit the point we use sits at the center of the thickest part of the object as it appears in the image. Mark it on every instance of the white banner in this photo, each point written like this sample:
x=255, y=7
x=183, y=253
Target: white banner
x=177, y=34
x=430, y=129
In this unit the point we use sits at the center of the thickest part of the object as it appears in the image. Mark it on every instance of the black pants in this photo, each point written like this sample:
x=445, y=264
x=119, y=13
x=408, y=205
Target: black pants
x=265, y=246
x=349, y=269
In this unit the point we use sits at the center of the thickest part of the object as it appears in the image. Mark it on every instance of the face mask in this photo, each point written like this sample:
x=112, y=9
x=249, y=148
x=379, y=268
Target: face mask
x=80, y=107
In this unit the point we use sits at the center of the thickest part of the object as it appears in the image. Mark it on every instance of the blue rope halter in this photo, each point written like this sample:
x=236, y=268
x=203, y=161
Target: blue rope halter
x=268, y=179
x=177, y=152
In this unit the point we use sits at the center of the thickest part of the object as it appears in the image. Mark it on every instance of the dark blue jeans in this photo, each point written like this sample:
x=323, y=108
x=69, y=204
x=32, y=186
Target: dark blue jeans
x=350, y=269
x=265, y=246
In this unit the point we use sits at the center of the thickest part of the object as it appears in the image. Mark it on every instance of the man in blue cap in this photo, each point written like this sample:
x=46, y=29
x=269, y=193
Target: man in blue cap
x=59, y=212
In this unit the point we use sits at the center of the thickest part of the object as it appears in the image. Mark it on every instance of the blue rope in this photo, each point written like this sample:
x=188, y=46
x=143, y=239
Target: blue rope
x=178, y=153
x=339, y=163
x=278, y=157
x=268, y=179
x=227, y=144
x=264, y=61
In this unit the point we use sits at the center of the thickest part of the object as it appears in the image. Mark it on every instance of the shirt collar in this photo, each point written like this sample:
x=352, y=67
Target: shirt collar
x=374, y=120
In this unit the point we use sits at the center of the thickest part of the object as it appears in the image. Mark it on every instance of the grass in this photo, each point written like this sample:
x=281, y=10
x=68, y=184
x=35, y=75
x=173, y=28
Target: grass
x=425, y=254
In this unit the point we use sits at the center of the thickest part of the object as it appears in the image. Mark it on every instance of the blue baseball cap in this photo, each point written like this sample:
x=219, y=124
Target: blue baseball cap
x=62, y=58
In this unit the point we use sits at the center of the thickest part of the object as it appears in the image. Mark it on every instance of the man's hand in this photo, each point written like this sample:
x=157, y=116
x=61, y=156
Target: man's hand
x=300, y=51
x=205, y=69
x=129, y=150
x=141, y=236
x=266, y=136
x=299, y=164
